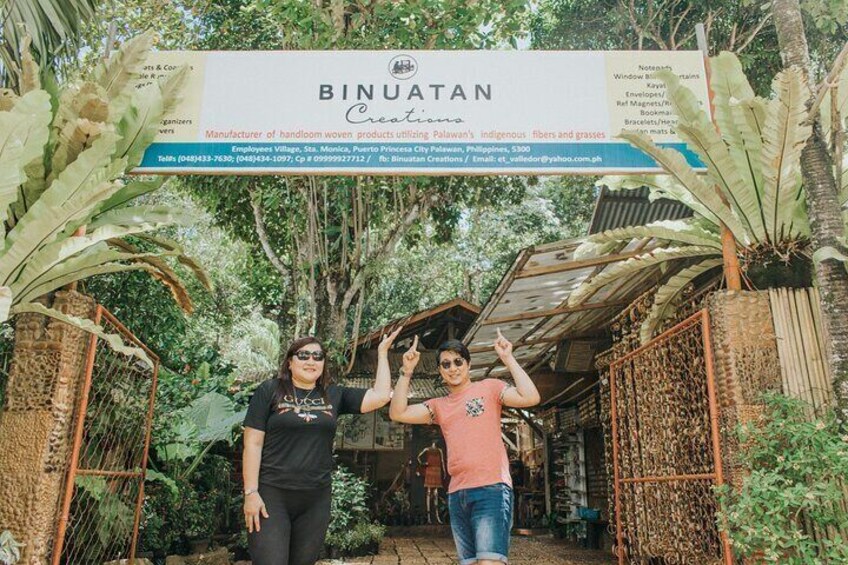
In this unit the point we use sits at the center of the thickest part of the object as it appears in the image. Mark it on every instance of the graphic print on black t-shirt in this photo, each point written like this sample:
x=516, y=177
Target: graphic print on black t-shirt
x=304, y=406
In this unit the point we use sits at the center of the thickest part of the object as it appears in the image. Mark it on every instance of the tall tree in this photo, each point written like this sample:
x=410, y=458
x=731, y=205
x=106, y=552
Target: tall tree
x=326, y=236
x=740, y=27
x=823, y=206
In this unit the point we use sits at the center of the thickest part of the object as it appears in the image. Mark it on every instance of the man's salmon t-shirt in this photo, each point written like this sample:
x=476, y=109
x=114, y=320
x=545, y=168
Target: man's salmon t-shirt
x=471, y=424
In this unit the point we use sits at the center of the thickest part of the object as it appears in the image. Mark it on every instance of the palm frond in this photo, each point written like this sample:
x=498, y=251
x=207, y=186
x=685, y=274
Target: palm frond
x=68, y=200
x=23, y=133
x=54, y=26
x=162, y=271
x=668, y=296
x=114, y=341
x=699, y=133
x=632, y=266
x=124, y=65
x=676, y=166
x=130, y=192
x=784, y=135
x=841, y=102
x=689, y=231
x=181, y=256
x=730, y=87
x=140, y=123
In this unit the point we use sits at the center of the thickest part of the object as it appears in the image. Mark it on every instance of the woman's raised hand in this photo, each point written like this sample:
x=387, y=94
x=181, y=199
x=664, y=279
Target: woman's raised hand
x=411, y=357
x=388, y=340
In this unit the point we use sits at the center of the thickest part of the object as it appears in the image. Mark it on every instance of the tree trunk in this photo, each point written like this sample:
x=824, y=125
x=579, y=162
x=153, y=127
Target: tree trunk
x=331, y=319
x=822, y=207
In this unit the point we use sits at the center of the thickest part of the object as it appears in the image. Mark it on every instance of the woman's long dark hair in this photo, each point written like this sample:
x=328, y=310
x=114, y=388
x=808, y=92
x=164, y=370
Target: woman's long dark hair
x=285, y=386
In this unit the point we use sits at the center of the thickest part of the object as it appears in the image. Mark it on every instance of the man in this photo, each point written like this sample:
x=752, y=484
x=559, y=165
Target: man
x=480, y=493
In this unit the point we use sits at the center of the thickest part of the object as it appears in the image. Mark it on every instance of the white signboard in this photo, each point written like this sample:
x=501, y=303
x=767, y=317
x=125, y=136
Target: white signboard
x=417, y=112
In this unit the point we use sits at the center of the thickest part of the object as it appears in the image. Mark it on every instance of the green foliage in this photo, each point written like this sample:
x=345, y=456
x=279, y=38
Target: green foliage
x=737, y=26
x=423, y=272
x=62, y=154
x=437, y=24
x=350, y=522
x=194, y=430
x=752, y=186
x=54, y=26
x=98, y=502
x=796, y=486
x=10, y=550
x=828, y=16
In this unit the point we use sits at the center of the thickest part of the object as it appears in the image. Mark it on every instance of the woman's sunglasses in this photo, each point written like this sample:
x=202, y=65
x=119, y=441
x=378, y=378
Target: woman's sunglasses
x=458, y=361
x=304, y=355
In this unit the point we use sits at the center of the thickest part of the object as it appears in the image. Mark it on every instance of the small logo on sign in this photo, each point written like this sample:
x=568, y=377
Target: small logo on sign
x=403, y=67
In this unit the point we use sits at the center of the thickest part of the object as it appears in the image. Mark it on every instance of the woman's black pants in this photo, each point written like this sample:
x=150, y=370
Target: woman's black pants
x=293, y=533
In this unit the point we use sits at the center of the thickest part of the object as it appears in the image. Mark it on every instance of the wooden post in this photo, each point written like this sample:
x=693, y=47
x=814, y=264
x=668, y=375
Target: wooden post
x=732, y=272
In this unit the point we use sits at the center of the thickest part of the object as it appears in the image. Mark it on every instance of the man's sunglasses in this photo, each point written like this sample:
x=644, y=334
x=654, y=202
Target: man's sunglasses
x=458, y=361
x=304, y=355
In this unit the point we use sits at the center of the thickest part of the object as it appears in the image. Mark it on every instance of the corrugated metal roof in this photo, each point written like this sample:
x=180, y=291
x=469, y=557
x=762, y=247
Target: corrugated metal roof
x=420, y=388
x=530, y=305
x=623, y=208
x=430, y=325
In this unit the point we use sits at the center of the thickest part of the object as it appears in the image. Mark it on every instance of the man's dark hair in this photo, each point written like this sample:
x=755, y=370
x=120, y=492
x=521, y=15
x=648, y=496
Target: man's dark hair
x=457, y=347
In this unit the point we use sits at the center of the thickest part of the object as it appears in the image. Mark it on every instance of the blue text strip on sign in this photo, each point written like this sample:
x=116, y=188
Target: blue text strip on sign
x=377, y=158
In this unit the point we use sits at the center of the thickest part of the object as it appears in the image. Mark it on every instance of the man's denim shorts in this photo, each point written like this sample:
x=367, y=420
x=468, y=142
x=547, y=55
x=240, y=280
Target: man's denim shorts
x=481, y=519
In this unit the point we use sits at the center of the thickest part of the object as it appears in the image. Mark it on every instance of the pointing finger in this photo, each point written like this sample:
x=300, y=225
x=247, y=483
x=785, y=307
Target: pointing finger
x=414, y=344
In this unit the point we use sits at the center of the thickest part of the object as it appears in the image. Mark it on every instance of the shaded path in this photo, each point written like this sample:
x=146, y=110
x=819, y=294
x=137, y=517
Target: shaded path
x=427, y=548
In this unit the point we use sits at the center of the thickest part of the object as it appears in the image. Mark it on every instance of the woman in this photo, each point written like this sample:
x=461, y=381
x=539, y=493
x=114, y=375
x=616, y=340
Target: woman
x=288, y=452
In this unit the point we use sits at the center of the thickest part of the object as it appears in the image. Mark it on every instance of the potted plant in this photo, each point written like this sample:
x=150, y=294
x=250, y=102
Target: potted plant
x=197, y=512
x=351, y=531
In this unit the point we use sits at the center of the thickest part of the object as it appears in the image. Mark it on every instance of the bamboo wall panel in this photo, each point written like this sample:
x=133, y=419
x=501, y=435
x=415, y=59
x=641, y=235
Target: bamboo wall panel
x=801, y=346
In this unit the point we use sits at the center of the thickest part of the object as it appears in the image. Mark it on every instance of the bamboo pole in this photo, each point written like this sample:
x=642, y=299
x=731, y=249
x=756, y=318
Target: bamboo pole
x=816, y=352
x=797, y=329
x=793, y=389
x=777, y=322
x=811, y=349
x=823, y=339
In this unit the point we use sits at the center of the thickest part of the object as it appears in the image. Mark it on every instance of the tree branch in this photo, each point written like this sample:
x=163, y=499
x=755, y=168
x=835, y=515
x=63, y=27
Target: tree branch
x=259, y=223
x=831, y=80
x=754, y=33
x=412, y=213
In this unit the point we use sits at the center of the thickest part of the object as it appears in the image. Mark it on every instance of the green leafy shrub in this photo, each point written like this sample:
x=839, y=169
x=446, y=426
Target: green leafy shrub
x=161, y=525
x=796, y=487
x=351, y=528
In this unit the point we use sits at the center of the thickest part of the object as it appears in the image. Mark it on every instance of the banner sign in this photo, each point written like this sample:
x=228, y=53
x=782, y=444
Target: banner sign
x=417, y=112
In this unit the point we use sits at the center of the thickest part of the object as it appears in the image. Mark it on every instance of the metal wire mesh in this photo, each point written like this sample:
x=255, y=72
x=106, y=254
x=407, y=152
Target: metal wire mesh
x=6, y=344
x=663, y=451
x=103, y=501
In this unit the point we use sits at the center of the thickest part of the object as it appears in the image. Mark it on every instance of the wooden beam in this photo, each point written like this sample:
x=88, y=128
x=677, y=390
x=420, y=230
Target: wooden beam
x=578, y=264
x=536, y=427
x=554, y=312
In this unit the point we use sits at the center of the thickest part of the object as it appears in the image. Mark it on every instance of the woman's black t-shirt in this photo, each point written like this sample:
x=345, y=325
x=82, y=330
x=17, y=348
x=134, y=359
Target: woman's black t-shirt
x=298, y=448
